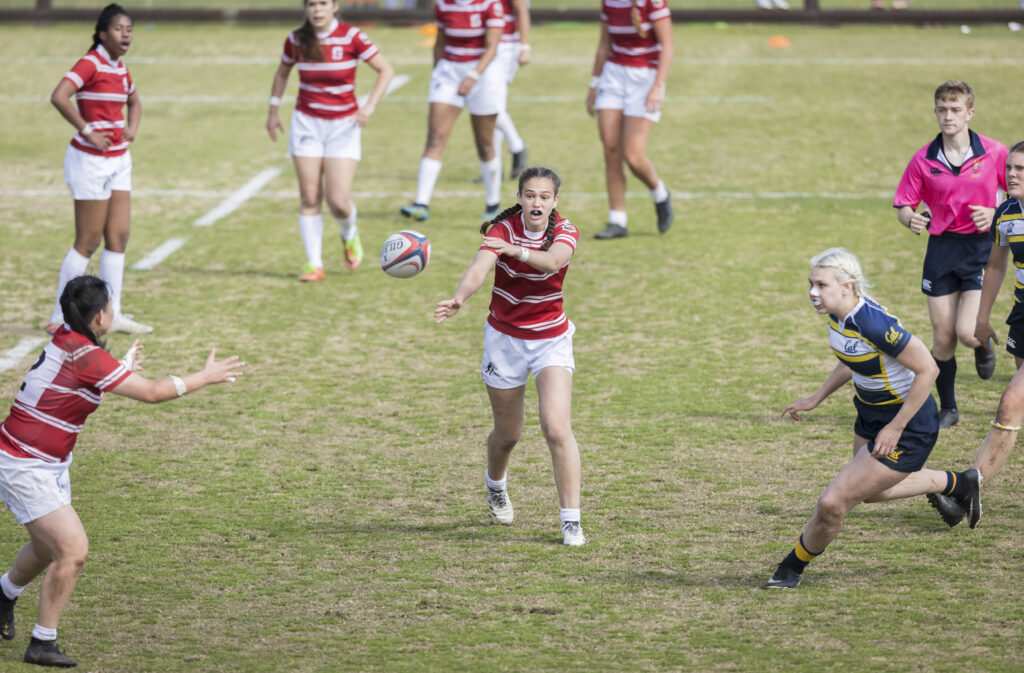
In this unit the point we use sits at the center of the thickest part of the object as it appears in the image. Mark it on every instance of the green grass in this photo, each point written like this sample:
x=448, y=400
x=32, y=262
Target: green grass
x=326, y=513
x=539, y=4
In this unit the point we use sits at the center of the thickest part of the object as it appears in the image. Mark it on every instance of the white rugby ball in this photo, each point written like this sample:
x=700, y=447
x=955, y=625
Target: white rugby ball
x=404, y=254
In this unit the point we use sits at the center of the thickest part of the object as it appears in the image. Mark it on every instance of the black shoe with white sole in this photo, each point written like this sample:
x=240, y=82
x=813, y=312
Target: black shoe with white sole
x=46, y=653
x=970, y=501
x=612, y=231
x=948, y=509
x=785, y=577
x=665, y=216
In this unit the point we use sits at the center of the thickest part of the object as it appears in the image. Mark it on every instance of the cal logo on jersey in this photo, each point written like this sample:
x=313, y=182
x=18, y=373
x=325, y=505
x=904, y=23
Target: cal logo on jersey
x=568, y=227
x=892, y=337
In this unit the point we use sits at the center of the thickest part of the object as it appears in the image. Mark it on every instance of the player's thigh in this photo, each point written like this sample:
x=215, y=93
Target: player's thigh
x=309, y=170
x=967, y=313
x=636, y=132
x=440, y=122
x=90, y=222
x=339, y=174
x=507, y=408
x=118, y=224
x=942, y=311
x=554, y=401
x=483, y=134
x=60, y=533
x=609, y=128
x=860, y=479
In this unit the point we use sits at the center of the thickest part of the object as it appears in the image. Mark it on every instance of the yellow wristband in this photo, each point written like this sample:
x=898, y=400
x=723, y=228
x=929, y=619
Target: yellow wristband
x=1009, y=428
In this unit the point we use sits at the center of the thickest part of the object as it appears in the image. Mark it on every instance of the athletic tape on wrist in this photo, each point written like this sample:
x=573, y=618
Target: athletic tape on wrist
x=274, y=101
x=473, y=75
x=524, y=254
x=594, y=81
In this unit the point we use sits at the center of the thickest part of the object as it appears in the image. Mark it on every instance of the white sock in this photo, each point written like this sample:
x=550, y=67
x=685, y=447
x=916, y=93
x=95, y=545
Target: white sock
x=112, y=273
x=566, y=514
x=499, y=139
x=74, y=265
x=348, y=224
x=504, y=123
x=10, y=589
x=43, y=633
x=312, y=229
x=617, y=217
x=659, y=193
x=490, y=171
x=495, y=485
x=427, y=178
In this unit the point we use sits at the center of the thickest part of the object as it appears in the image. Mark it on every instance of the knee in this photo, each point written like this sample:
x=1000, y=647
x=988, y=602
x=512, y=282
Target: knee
x=558, y=436
x=831, y=509
x=504, y=440
x=72, y=559
x=87, y=244
x=613, y=154
x=117, y=242
x=1011, y=405
x=340, y=207
x=634, y=158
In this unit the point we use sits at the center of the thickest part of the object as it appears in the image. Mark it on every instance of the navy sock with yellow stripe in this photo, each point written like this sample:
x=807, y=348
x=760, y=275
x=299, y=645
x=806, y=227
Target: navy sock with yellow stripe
x=955, y=484
x=945, y=383
x=800, y=556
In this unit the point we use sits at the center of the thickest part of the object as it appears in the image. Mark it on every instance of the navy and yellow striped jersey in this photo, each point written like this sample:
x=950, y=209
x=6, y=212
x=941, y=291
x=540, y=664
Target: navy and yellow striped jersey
x=868, y=341
x=1008, y=230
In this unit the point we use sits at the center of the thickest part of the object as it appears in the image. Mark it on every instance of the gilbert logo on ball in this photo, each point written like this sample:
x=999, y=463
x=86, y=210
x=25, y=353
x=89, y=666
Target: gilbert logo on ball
x=405, y=254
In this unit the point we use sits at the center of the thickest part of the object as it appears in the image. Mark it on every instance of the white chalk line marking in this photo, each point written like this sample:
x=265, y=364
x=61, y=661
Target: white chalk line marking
x=24, y=347
x=243, y=194
x=163, y=251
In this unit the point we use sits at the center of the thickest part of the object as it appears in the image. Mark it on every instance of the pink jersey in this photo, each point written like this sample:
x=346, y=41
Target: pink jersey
x=102, y=88
x=948, y=191
x=511, y=30
x=64, y=386
x=465, y=24
x=327, y=88
x=634, y=46
x=527, y=303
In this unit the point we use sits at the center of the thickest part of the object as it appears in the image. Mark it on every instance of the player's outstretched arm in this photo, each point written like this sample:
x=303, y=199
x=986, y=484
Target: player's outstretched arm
x=836, y=380
x=471, y=281
x=138, y=387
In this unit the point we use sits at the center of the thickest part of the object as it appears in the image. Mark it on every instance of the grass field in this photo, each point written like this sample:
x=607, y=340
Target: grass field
x=327, y=513
x=540, y=4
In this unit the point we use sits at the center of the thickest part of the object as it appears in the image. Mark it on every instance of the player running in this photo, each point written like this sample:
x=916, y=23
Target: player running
x=897, y=422
x=97, y=164
x=325, y=138
x=528, y=246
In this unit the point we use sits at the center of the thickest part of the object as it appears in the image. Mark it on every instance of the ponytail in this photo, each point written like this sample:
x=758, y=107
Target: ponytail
x=83, y=297
x=309, y=43
x=549, y=233
x=103, y=22
x=505, y=214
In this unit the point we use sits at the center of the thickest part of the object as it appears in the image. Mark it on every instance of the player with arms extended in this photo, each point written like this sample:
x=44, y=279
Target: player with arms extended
x=529, y=247
x=325, y=139
x=97, y=164
x=897, y=422
x=62, y=389
x=956, y=176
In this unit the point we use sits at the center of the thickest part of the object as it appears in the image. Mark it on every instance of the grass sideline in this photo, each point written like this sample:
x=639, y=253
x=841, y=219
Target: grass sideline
x=327, y=513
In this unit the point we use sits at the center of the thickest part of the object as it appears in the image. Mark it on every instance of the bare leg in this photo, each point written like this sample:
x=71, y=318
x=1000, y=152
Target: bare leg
x=308, y=170
x=635, y=133
x=554, y=390
x=60, y=537
x=338, y=176
x=507, y=409
x=609, y=127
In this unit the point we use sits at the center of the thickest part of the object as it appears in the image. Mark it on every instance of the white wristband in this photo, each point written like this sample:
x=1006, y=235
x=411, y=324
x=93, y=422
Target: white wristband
x=473, y=75
x=594, y=81
x=87, y=129
x=179, y=385
x=524, y=254
x=524, y=47
x=275, y=101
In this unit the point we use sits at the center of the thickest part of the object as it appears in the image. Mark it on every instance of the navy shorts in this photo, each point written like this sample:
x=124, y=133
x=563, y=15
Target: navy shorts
x=915, y=443
x=954, y=263
x=1015, y=337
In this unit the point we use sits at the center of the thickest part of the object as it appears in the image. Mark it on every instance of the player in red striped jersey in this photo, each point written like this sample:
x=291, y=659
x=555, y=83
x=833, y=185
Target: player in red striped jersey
x=64, y=386
x=465, y=75
x=529, y=247
x=626, y=91
x=98, y=165
x=513, y=51
x=325, y=139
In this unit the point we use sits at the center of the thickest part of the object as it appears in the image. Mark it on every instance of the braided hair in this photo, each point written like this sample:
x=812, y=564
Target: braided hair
x=83, y=297
x=638, y=22
x=103, y=22
x=524, y=177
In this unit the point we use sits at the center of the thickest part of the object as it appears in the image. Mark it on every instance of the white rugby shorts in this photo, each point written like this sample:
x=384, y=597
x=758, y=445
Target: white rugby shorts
x=508, y=59
x=626, y=88
x=92, y=177
x=32, y=488
x=325, y=138
x=487, y=97
x=508, y=360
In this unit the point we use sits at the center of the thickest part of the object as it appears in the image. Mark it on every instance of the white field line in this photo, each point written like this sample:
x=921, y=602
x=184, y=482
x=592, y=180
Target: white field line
x=15, y=355
x=244, y=193
x=467, y=194
x=396, y=82
x=408, y=98
x=163, y=251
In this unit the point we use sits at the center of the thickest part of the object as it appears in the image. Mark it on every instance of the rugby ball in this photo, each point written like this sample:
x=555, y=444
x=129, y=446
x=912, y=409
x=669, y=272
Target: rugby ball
x=404, y=254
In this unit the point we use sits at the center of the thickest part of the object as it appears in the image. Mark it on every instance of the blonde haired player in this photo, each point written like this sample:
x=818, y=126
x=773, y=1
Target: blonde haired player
x=897, y=421
x=529, y=247
x=325, y=139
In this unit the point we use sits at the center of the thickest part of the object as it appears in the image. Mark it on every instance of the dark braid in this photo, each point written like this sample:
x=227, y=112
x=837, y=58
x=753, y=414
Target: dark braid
x=508, y=212
x=549, y=233
x=83, y=297
x=103, y=22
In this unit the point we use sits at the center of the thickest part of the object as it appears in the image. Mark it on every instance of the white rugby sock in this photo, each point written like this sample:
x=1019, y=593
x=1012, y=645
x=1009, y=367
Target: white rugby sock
x=567, y=514
x=617, y=217
x=312, y=229
x=10, y=589
x=490, y=171
x=499, y=139
x=493, y=485
x=348, y=224
x=659, y=193
x=112, y=273
x=427, y=178
x=74, y=265
x=43, y=633
x=505, y=125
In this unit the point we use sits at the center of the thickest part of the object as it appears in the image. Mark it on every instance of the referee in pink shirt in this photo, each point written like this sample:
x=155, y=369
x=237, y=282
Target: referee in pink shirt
x=957, y=177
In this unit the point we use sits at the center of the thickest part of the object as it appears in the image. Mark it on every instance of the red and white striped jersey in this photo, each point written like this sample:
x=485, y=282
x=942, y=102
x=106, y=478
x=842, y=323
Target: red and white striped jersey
x=327, y=88
x=527, y=303
x=632, y=45
x=64, y=386
x=465, y=24
x=102, y=88
x=511, y=31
